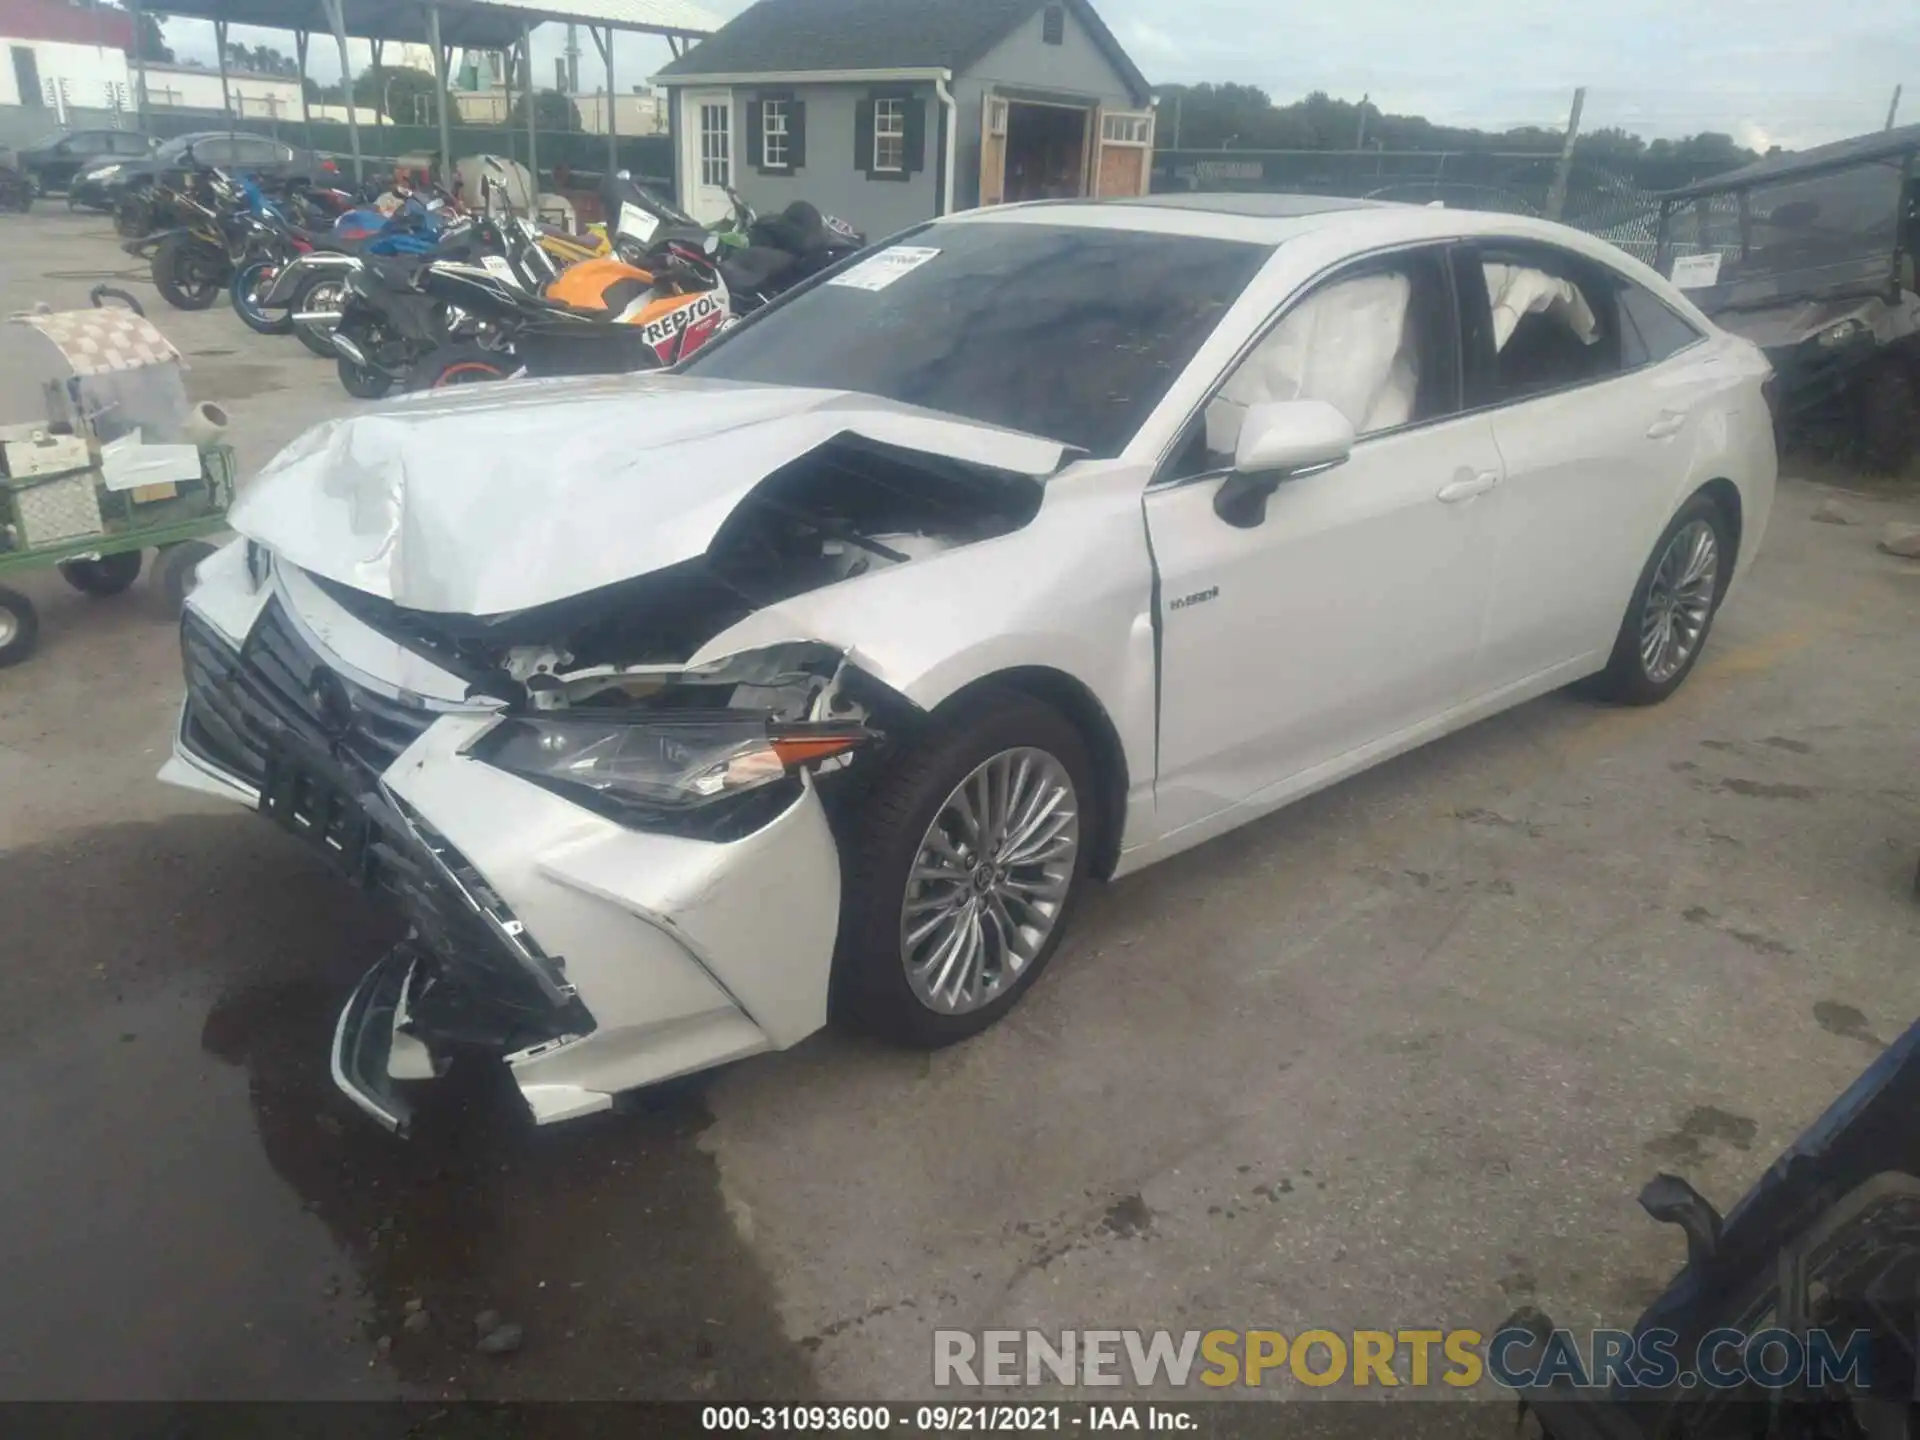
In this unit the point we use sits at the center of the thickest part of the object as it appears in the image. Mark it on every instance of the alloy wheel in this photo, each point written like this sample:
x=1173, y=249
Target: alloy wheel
x=989, y=881
x=9, y=628
x=1679, y=601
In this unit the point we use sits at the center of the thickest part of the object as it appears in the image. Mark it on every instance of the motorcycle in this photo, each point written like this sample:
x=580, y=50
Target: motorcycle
x=771, y=254
x=309, y=289
x=194, y=259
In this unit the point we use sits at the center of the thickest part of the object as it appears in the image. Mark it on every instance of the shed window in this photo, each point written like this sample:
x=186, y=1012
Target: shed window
x=890, y=136
x=1053, y=25
x=774, y=118
x=1125, y=129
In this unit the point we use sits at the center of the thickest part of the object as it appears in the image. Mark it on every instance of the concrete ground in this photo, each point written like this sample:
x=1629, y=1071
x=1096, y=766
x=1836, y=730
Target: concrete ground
x=1399, y=1056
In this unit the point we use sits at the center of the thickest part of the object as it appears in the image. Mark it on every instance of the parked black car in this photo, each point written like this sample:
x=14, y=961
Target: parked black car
x=104, y=185
x=53, y=162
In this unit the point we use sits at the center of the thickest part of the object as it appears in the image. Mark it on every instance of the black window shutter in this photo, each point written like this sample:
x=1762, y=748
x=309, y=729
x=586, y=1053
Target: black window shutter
x=916, y=145
x=756, y=134
x=863, y=137
x=796, y=133
x=1053, y=25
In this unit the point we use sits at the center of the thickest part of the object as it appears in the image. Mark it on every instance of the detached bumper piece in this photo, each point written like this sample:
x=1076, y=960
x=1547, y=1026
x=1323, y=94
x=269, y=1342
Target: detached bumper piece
x=363, y=1040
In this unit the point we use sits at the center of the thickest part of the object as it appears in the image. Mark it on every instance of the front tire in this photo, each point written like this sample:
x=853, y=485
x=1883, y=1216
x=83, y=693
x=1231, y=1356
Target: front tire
x=962, y=869
x=248, y=281
x=322, y=292
x=1673, y=607
x=109, y=575
x=177, y=567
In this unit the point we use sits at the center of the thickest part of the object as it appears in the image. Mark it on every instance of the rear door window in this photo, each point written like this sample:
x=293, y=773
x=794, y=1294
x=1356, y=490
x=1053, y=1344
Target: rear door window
x=1543, y=319
x=129, y=144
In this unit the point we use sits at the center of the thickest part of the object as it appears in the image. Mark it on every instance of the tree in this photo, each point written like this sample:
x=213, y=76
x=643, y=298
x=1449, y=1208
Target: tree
x=406, y=96
x=556, y=111
x=1607, y=144
x=148, y=41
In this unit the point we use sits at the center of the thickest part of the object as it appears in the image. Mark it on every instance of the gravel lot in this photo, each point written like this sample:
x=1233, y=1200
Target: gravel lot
x=1401, y=1055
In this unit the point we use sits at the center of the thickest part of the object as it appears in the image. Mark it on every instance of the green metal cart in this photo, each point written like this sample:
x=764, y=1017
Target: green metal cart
x=121, y=464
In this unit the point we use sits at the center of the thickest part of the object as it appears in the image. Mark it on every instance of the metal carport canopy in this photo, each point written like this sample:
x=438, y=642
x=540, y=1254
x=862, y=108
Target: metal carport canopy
x=444, y=24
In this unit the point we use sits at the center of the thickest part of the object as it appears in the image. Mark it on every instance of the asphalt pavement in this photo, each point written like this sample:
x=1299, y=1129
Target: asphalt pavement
x=1398, y=1056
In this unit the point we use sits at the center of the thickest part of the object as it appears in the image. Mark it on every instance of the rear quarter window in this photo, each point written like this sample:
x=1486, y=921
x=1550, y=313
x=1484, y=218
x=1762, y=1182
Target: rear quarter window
x=1650, y=330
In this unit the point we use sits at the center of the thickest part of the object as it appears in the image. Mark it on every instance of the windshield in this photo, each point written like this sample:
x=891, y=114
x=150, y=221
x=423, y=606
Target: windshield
x=1065, y=331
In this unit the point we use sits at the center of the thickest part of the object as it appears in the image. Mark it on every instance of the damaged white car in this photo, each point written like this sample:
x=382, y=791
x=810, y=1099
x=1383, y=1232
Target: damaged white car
x=677, y=713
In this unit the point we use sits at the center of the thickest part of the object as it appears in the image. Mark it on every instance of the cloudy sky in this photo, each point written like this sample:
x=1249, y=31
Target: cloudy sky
x=1786, y=72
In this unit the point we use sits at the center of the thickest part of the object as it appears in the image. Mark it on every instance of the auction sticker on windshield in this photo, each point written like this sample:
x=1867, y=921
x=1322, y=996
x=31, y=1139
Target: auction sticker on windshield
x=1696, y=272
x=888, y=266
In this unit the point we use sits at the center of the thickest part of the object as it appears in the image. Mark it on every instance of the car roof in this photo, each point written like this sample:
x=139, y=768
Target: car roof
x=1272, y=219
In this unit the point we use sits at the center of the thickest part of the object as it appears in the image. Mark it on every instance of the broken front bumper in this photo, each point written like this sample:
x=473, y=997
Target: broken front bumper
x=592, y=958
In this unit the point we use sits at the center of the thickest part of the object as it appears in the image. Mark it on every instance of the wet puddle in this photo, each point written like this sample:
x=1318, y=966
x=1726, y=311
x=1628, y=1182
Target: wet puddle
x=196, y=1213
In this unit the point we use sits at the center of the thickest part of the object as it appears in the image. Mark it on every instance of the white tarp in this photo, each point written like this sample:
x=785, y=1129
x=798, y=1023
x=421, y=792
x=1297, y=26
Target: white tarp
x=496, y=498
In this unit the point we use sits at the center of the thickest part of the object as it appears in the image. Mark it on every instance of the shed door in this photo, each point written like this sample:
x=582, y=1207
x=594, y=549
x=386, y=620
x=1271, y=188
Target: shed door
x=993, y=151
x=1126, y=152
x=706, y=159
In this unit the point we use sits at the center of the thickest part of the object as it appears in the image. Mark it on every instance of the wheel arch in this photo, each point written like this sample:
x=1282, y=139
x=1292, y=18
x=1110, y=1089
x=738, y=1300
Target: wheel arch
x=1725, y=494
x=1083, y=710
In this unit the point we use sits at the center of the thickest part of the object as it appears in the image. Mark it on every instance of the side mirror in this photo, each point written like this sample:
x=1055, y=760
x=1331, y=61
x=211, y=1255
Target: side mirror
x=710, y=243
x=1280, y=439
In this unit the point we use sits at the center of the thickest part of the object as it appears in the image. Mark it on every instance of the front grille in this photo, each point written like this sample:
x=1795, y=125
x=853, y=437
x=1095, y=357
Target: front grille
x=257, y=711
x=238, y=702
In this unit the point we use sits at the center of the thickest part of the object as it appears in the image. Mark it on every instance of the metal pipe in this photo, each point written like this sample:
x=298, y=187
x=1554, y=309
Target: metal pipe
x=440, y=96
x=339, y=23
x=226, y=101
x=306, y=108
x=139, y=64
x=613, y=112
x=952, y=107
x=533, y=124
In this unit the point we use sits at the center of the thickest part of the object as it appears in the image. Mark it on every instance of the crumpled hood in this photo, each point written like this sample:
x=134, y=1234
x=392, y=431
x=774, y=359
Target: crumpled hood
x=502, y=497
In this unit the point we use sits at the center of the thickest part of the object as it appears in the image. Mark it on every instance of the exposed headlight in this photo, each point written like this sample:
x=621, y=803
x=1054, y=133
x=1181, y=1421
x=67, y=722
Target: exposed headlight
x=1843, y=333
x=663, y=766
x=102, y=173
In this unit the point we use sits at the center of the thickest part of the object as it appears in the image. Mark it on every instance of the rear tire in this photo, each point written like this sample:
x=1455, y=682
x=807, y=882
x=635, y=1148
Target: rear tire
x=1889, y=428
x=1632, y=676
x=186, y=272
x=109, y=575
x=882, y=848
x=19, y=627
x=461, y=363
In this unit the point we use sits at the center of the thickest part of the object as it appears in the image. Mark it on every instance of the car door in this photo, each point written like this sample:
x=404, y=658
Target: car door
x=1352, y=614
x=70, y=157
x=1595, y=441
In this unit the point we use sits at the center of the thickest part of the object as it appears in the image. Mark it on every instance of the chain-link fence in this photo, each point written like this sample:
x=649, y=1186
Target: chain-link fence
x=1619, y=202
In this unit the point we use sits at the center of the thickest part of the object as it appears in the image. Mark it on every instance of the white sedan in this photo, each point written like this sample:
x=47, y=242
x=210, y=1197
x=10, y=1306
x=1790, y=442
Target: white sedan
x=678, y=713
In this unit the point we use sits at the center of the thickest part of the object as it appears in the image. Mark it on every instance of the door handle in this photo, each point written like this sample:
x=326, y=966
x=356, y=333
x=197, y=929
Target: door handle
x=1468, y=486
x=1668, y=424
